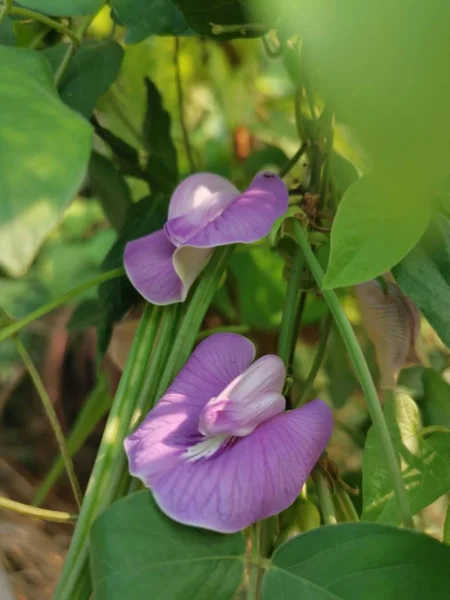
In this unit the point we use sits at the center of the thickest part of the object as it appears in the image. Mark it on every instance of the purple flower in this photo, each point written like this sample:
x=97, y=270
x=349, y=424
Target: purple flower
x=205, y=211
x=218, y=451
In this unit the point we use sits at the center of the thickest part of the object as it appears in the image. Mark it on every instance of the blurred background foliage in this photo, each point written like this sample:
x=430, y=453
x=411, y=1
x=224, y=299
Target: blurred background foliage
x=239, y=109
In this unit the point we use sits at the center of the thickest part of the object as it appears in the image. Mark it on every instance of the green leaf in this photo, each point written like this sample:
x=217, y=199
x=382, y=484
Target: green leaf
x=162, y=163
x=141, y=19
x=138, y=552
x=425, y=464
x=111, y=189
x=91, y=71
x=359, y=561
x=436, y=402
x=86, y=314
x=260, y=286
x=45, y=149
x=118, y=295
x=68, y=8
x=424, y=275
x=126, y=156
x=341, y=380
x=7, y=34
x=378, y=221
x=446, y=533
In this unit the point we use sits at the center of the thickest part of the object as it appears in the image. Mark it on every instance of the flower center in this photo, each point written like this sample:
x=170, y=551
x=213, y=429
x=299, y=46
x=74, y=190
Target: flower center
x=206, y=448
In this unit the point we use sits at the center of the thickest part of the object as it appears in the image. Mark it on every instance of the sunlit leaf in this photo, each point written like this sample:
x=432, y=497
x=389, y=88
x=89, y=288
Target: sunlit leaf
x=138, y=552
x=358, y=560
x=378, y=221
x=45, y=149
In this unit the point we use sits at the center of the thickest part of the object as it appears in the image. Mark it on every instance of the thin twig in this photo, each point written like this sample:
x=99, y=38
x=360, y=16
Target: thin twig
x=187, y=143
x=325, y=499
x=52, y=417
x=31, y=14
x=56, y=516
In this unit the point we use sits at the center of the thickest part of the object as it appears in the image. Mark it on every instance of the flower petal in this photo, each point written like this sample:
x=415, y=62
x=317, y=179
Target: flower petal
x=198, y=200
x=188, y=263
x=173, y=424
x=253, y=397
x=256, y=477
x=245, y=218
x=149, y=266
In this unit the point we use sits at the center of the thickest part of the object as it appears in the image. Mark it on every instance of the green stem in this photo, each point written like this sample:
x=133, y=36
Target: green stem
x=225, y=329
x=52, y=417
x=86, y=21
x=56, y=516
x=15, y=326
x=186, y=140
x=325, y=499
x=253, y=583
x=290, y=310
x=110, y=461
x=317, y=361
x=31, y=14
x=195, y=313
x=93, y=410
x=345, y=505
x=293, y=161
x=363, y=374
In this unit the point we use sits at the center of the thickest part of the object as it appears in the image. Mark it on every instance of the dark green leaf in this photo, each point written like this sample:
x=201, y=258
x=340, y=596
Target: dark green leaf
x=436, y=402
x=7, y=35
x=378, y=221
x=269, y=156
x=424, y=275
x=138, y=552
x=110, y=188
x=142, y=19
x=341, y=380
x=260, y=287
x=45, y=148
x=87, y=314
x=425, y=463
x=446, y=535
x=125, y=155
x=91, y=71
x=118, y=295
x=222, y=19
x=359, y=561
x=68, y=8
x=162, y=163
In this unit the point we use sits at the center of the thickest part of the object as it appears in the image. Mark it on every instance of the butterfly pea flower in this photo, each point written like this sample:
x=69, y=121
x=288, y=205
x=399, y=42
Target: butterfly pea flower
x=392, y=323
x=205, y=211
x=219, y=451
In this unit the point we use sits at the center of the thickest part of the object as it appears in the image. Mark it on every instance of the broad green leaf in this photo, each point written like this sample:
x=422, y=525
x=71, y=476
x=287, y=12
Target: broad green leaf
x=111, y=189
x=424, y=275
x=222, y=19
x=126, y=156
x=91, y=71
x=66, y=8
x=162, y=162
x=86, y=314
x=45, y=149
x=378, y=221
x=142, y=19
x=359, y=561
x=7, y=35
x=436, y=399
x=425, y=464
x=138, y=552
x=258, y=272
x=118, y=295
